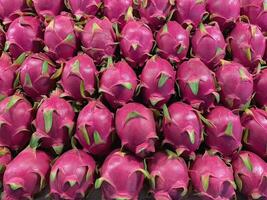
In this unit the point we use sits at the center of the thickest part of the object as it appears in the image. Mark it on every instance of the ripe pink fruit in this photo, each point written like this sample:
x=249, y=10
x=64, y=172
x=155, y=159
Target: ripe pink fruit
x=157, y=81
x=118, y=83
x=26, y=175
x=212, y=178
x=79, y=77
x=136, y=128
x=10, y=10
x=260, y=85
x=173, y=41
x=5, y=158
x=48, y=9
x=71, y=180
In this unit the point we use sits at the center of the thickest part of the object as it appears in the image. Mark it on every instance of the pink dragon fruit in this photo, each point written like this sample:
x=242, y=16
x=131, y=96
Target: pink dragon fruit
x=255, y=138
x=247, y=45
x=225, y=133
x=71, y=180
x=10, y=10
x=173, y=41
x=157, y=81
x=236, y=85
x=136, y=42
x=48, y=9
x=32, y=36
x=60, y=38
x=169, y=176
x=182, y=128
x=98, y=39
x=95, y=128
x=5, y=158
x=36, y=76
x=209, y=45
x=197, y=84
x=250, y=173
x=26, y=175
x=15, y=119
x=136, y=128
x=212, y=178
x=79, y=77
x=131, y=172
x=260, y=85
x=118, y=83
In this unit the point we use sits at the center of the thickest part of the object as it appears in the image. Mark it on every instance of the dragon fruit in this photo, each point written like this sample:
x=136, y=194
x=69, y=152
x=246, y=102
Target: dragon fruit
x=173, y=41
x=209, y=45
x=54, y=123
x=36, y=76
x=118, y=83
x=95, y=128
x=131, y=172
x=197, y=84
x=98, y=39
x=182, y=128
x=79, y=77
x=15, y=119
x=48, y=9
x=136, y=128
x=10, y=10
x=5, y=158
x=169, y=176
x=255, y=138
x=26, y=175
x=250, y=173
x=247, y=45
x=71, y=180
x=2, y=39
x=212, y=178
x=157, y=81
x=32, y=36
x=260, y=85
x=60, y=38
x=236, y=85
x=136, y=42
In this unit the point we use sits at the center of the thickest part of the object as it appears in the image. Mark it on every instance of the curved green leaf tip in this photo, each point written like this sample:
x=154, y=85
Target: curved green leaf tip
x=45, y=67
x=247, y=162
x=133, y=115
x=28, y=81
x=194, y=86
x=53, y=176
x=127, y=85
x=162, y=80
x=205, y=182
x=97, y=138
x=191, y=135
x=15, y=186
x=13, y=100
x=75, y=67
x=229, y=129
x=48, y=120
x=58, y=149
x=85, y=135
x=166, y=113
x=72, y=183
x=98, y=183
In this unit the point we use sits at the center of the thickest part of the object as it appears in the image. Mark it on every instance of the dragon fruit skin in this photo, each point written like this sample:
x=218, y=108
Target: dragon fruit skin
x=48, y=9
x=136, y=42
x=260, y=85
x=26, y=174
x=173, y=41
x=2, y=39
x=16, y=117
x=98, y=39
x=136, y=128
x=157, y=81
x=10, y=10
x=71, y=180
x=5, y=158
x=170, y=175
x=79, y=77
x=236, y=85
x=118, y=83
x=32, y=36
x=197, y=84
x=95, y=128
x=250, y=173
x=212, y=178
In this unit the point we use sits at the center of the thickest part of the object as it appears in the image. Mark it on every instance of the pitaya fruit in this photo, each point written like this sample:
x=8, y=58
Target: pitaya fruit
x=212, y=178
x=2, y=39
x=135, y=125
x=26, y=175
x=118, y=83
x=260, y=85
x=98, y=39
x=71, y=180
x=36, y=76
x=48, y=9
x=197, y=84
x=5, y=158
x=60, y=38
x=255, y=137
x=182, y=128
x=247, y=45
x=10, y=10
x=250, y=173
x=15, y=118
x=236, y=85
x=209, y=45
x=157, y=81
x=173, y=42
x=32, y=36
x=79, y=77
x=136, y=42
x=122, y=177
x=225, y=132
x=95, y=128
x=169, y=176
